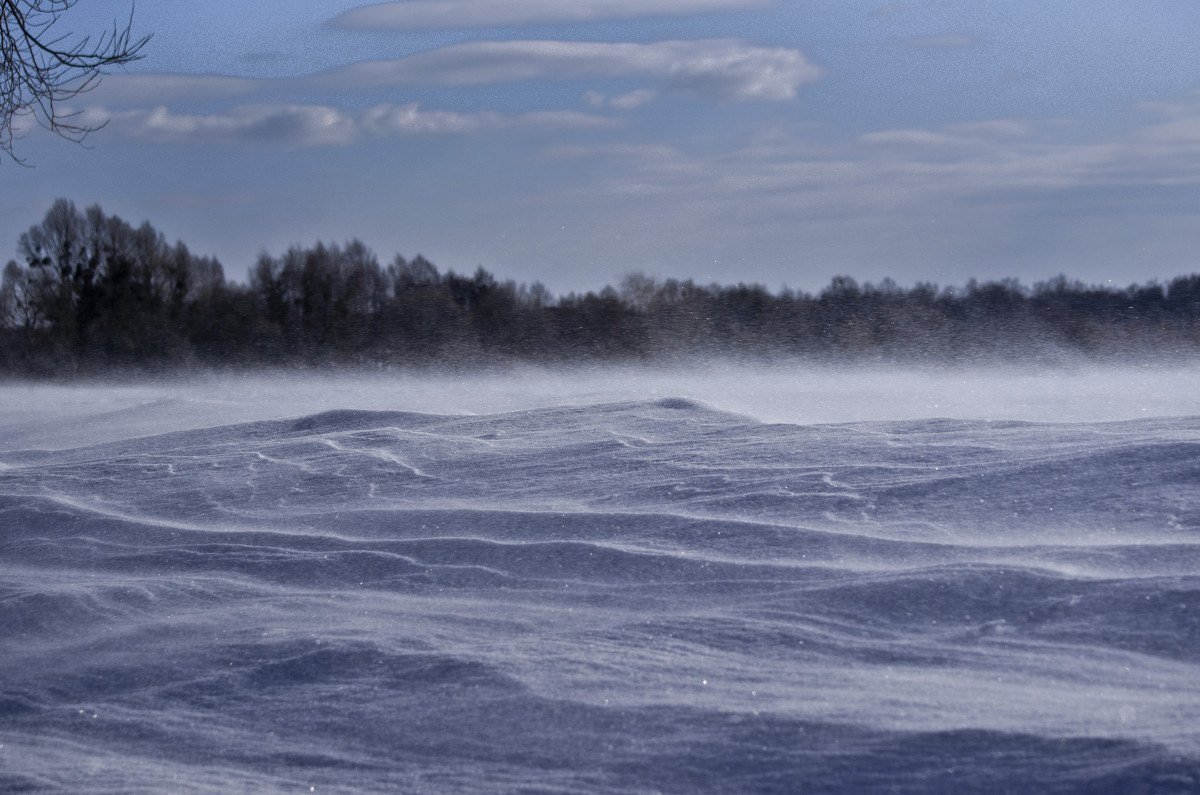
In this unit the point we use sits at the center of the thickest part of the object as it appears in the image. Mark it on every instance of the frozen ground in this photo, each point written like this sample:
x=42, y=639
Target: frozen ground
x=734, y=580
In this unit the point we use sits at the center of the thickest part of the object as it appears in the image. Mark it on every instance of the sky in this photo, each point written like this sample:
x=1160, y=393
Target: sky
x=779, y=142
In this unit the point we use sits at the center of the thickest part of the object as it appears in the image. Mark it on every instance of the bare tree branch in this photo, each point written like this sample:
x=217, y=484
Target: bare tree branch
x=42, y=68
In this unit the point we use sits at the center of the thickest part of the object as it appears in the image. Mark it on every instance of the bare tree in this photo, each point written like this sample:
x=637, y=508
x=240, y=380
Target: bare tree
x=44, y=67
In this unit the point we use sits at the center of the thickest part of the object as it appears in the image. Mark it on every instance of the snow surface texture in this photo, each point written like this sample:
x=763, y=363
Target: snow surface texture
x=597, y=595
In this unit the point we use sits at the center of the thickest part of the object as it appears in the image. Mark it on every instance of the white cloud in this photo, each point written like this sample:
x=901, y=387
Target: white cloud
x=997, y=166
x=999, y=128
x=418, y=14
x=645, y=152
x=719, y=68
x=289, y=125
x=908, y=138
x=1169, y=109
x=967, y=134
x=727, y=69
x=564, y=120
x=628, y=101
x=409, y=119
x=319, y=125
x=633, y=99
x=1183, y=108
x=1183, y=133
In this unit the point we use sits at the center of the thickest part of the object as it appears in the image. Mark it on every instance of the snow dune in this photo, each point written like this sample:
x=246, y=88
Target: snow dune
x=585, y=591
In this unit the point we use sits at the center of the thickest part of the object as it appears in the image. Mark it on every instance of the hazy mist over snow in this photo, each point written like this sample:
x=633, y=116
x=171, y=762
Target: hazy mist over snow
x=52, y=415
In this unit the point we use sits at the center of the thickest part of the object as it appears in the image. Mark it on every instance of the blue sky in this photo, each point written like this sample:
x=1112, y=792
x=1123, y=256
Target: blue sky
x=572, y=141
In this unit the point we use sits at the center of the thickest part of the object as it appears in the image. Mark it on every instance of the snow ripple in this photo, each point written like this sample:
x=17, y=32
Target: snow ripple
x=645, y=596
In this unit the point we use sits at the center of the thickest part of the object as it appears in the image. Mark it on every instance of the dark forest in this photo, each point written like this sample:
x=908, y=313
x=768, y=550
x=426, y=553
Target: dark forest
x=90, y=294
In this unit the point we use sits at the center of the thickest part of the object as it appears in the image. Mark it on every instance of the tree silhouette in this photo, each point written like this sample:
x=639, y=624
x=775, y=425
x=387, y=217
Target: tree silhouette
x=42, y=67
x=92, y=294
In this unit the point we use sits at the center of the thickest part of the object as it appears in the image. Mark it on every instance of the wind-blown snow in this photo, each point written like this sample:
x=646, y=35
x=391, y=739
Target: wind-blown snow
x=640, y=592
x=42, y=415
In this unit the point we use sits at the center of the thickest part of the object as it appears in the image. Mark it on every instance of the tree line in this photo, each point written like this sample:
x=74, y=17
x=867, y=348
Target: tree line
x=90, y=293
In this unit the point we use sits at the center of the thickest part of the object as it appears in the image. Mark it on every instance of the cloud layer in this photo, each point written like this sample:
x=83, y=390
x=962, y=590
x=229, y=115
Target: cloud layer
x=717, y=68
x=423, y=14
x=722, y=69
x=298, y=126
x=145, y=107
x=1003, y=164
